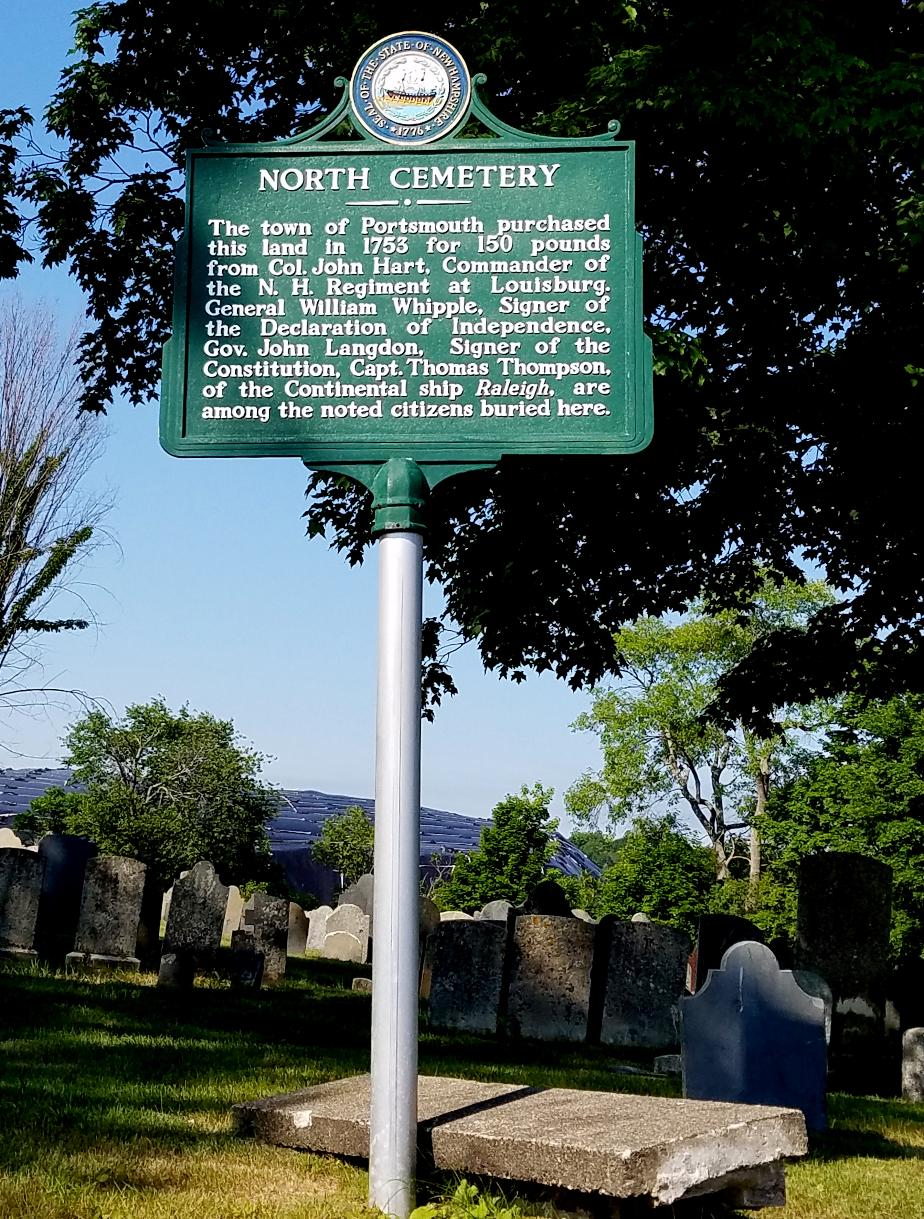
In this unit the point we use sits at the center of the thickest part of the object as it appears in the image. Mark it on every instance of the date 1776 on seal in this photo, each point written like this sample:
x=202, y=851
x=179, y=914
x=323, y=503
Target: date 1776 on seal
x=410, y=88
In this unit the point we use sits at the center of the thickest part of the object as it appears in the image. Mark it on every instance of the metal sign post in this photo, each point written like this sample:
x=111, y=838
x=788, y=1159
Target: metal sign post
x=402, y=307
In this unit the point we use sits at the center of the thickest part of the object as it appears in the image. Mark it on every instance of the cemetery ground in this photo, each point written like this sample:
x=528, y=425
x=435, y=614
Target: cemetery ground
x=115, y=1101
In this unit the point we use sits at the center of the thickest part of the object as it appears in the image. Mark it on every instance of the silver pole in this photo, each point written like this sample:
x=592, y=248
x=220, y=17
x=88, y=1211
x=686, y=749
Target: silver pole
x=393, y=1115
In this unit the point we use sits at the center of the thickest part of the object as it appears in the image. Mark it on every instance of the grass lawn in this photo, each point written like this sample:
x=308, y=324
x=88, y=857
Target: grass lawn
x=115, y=1103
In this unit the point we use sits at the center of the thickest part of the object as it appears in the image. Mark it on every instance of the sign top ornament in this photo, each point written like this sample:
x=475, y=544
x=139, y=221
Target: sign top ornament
x=410, y=88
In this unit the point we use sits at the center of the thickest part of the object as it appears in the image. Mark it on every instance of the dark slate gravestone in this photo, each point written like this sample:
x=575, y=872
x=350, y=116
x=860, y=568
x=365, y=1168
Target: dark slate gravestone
x=753, y=1036
x=716, y=934
x=551, y=963
x=110, y=908
x=466, y=959
x=268, y=918
x=21, y=875
x=360, y=893
x=194, y=923
x=548, y=897
x=247, y=961
x=66, y=857
x=643, y=980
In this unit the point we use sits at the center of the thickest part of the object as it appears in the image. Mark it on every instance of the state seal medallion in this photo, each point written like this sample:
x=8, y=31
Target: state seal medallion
x=410, y=88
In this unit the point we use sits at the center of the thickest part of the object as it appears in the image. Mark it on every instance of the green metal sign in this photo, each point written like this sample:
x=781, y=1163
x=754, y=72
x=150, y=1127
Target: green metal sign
x=450, y=301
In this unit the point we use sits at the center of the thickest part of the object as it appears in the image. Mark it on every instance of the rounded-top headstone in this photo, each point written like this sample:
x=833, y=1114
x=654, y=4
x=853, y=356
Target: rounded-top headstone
x=548, y=897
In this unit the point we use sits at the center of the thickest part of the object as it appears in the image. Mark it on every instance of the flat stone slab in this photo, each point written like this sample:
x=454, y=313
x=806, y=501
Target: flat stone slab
x=640, y=1147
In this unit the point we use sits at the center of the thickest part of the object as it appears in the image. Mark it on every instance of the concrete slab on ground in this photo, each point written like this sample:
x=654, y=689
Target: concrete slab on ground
x=604, y=1143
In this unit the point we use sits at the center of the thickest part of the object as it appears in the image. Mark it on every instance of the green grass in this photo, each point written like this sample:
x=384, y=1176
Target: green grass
x=115, y=1102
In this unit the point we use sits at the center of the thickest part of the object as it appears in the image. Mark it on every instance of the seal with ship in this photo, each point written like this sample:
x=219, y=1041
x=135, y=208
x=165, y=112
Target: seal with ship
x=410, y=88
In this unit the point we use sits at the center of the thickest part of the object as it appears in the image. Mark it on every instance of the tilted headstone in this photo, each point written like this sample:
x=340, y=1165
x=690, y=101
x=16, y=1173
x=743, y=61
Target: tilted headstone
x=297, y=937
x=21, y=874
x=268, y=918
x=467, y=971
x=110, y=909
x=495, y=912
x=588, y=918
x=646, y=968
x=752, y=1035
x=66, y=857
x=247, y=961
x=197, y=912
x=549, y=993
x=716, y=934
x=233, y=912
x=548, y=897
x=317, y=928
x=347, y=920
x=913, y=1065
x=360, y=893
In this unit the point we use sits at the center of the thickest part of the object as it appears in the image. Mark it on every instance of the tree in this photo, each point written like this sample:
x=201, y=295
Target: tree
x=602, y=849
x=346, y=844
x=168, y=788
x=46, y=522
x=658, y=741
x=511, y=858
x=779, y=187
x=659, y=871
x=863, y=792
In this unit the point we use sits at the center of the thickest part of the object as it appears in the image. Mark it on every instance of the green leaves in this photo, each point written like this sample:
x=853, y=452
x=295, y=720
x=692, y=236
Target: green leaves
x=347, y=844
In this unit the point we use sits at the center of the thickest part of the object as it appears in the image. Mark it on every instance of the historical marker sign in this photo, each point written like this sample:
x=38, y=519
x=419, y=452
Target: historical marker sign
x=450, y=302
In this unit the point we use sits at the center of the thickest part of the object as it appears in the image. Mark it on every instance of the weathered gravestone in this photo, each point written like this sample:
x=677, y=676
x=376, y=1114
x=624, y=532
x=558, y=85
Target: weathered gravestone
x=194, y=923
x=913, y=1065
x=233, y=913
x=550, y=974
x=317, y=928
x=715, y=935
x=466, y=975
x=297, y=938
x=66, y=857
x=645, y=976
x=9, y=839
x=450, y=916
x=110, y=910
x=347, y=937
x=360, y=893
x=752, y=1035
x=247, y=961
x=842, y=933
x=496, y=911
x=814, y=984
x=268, y=918
x=548, y=897
x=21, y=874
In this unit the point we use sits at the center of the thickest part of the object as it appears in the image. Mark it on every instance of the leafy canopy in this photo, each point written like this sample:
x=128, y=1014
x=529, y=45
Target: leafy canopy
x=346, y=844
x=780, y=199
x=511, y=858
x=168, y=788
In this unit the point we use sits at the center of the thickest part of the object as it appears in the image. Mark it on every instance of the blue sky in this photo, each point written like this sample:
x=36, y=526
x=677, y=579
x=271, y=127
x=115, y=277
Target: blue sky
x=211, y=595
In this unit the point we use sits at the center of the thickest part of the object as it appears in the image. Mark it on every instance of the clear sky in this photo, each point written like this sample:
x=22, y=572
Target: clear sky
x=212, y=595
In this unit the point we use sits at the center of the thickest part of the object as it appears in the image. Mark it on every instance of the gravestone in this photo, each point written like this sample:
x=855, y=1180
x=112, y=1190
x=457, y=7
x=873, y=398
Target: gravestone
x=752, y=1035
x=233, y=913
x=495, y=912
x=66, y=857
x=644, y=979
x=588, y=918
x=466, y=975
x=362, y=986
x=177, y=971
x=317, y=928
x=550, y=974
x=9, y=839
x=268, y=918
x=110, y=910
x=297, y=937
x=193, y=934
x=428, y=919
x=814, y=984
x=913, y=1065
x=715, y=935
x=21, y=874
x=360, y=893
x=548, y=897
x=247, y=961
x=640, y=917
x=450, y=916
x=347, y=937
